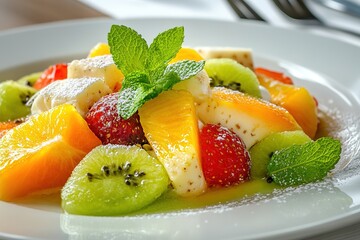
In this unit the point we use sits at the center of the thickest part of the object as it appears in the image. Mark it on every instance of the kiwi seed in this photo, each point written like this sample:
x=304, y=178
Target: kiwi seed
x=113, y=170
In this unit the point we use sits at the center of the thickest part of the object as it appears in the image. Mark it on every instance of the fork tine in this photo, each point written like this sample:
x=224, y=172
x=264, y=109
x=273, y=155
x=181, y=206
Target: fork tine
x=295, y=9
x=243, y=10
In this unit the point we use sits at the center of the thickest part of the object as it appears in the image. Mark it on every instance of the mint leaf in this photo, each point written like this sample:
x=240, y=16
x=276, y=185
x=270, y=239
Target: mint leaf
x=185, y=69
x=146, y=69
x=166, y=82
x=165, y=47
x=136, y=90
x=300, y=164
x=128, y=48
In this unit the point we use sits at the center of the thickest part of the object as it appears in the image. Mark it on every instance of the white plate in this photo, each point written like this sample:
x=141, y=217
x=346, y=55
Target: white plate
x=326, y=66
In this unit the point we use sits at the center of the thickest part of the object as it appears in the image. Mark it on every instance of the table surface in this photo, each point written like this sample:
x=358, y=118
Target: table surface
x=17, y=13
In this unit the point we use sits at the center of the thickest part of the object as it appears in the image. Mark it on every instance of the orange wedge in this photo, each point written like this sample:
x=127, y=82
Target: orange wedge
x=297, y=100
x=99, y=50
x=170, y=124
x=187, y=54
x=41, y=153
x=6, y=126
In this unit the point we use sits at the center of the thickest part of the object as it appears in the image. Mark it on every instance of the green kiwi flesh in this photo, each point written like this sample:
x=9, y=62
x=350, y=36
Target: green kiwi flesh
x=261, y=152
x=114, y=180
x=30, y=79
x=228, y=73
x=13, y=99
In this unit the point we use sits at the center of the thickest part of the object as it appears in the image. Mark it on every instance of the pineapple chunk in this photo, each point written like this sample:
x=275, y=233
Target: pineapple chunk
x=170, y=124
x=99, y=67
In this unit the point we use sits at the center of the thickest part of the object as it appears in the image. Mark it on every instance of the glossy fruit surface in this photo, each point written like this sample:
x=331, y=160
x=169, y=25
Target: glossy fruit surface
x=171, y=127
x=224, y=158
x=297, y=100
x=42, y=152
x=104, y=120
x=51, y=74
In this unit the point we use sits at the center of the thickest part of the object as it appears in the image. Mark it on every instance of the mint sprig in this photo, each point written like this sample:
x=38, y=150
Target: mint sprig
x=300, y=164
x=146, y=69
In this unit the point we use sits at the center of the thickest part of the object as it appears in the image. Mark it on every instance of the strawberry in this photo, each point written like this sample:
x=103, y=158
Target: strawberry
x=104, y=120
x=51, y=74
x=225, y=160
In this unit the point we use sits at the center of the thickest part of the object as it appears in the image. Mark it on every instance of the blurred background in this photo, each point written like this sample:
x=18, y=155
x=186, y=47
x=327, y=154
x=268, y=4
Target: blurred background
x=329, y=16
x=334, y=18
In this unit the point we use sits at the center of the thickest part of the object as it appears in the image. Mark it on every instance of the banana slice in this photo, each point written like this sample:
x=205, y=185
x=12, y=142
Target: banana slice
x=198, y=86
x=241, y=55
x=99, y=67
x=82, y=93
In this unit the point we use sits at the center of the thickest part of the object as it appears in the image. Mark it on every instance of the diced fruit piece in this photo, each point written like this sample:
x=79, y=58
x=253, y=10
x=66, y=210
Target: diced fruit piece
x=171, y=127
x=82, y=93
x=240, y=55
x=186, y=54
x=261, y=152
x=279, y=76
x=13, y=99
x=228, y=73
x=41, y=153
x=224, y=158
x=97, y=67
x=301, y=164
x=104, y=120
x=114, y=180
x=250, y=118
x=6, y=126
x=297, y=100
x=198, y=86
x=99, y=49
x=51, y=74
x=29, y=80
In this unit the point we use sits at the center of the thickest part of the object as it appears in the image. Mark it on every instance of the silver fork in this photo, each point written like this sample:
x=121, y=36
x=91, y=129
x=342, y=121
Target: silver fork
x=243, y=10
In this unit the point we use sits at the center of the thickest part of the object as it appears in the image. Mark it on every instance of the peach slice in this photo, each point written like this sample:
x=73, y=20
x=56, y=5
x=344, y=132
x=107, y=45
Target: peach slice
x=297, y=100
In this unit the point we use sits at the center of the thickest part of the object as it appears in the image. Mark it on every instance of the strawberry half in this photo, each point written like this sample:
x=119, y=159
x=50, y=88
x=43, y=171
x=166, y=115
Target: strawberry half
x=104, y=120
x=51, y=74
x=224, y=158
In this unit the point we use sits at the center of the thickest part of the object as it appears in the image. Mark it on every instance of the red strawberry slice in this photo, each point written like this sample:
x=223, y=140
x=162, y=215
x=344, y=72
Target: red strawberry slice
x=104, y=120
x=225, y=160
x=51, y=74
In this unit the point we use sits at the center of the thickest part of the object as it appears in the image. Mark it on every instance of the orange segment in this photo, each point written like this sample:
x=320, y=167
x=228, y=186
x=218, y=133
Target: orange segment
x=6, y=126
x=42, y=152
x=99, y=50
x=187, y=54
x=170, y=124
x=297, y=100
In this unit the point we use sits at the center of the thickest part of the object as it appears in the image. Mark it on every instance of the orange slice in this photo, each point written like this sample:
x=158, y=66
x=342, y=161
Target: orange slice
x=170, y=124
x=6, y=126
x=187, y=54
x=297, y=100
x=42, y=152
x=99, y=50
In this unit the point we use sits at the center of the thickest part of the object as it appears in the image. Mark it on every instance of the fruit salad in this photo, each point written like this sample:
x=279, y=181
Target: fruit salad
x=135, y=125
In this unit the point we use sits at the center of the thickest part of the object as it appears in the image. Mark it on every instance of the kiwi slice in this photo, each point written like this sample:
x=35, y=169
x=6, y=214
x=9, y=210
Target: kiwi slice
x=13, y=99
x=262, y=151
x=228, y=73
x=29, y=80
x=114, y=180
